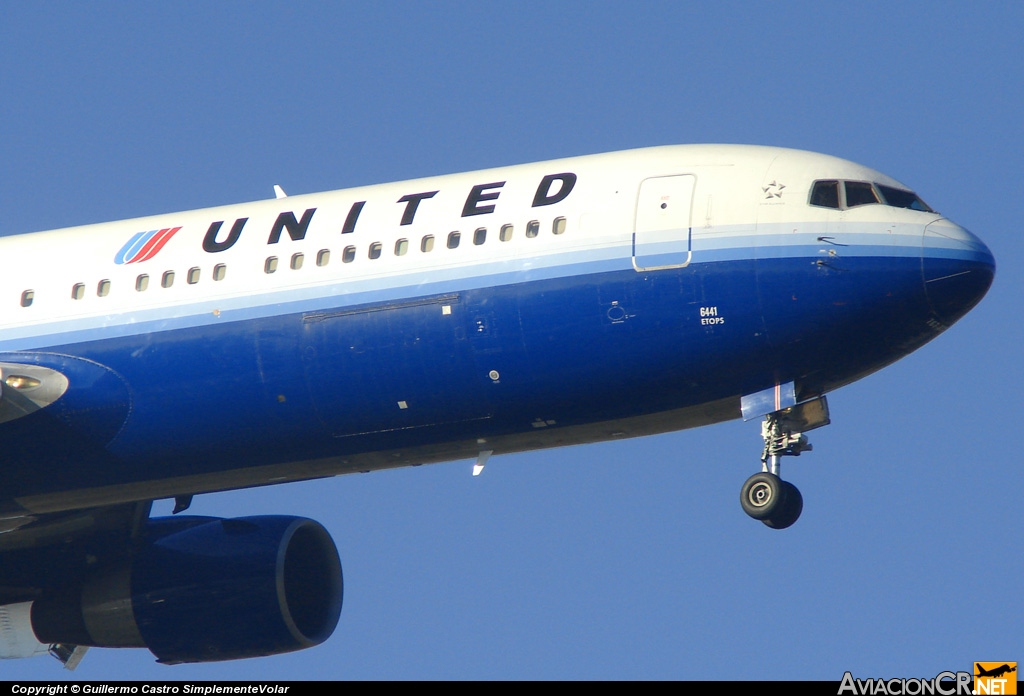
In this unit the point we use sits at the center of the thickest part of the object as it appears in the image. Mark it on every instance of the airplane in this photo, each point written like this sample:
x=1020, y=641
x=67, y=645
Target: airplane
x=995, y=672
x=454, y=317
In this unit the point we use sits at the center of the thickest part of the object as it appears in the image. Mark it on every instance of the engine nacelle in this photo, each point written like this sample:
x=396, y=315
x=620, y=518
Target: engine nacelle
x=201, y=589
x=16, y=637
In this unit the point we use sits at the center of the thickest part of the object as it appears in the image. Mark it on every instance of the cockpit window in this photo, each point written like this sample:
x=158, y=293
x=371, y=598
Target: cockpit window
x=859, y=193
x=899, y=198
x=825, y=194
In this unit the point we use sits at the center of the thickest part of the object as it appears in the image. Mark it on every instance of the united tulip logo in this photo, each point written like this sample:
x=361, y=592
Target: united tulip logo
x=144, y=246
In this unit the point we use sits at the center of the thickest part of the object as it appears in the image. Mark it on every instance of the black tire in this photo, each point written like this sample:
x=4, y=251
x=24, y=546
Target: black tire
x=763, y=495
x=790, y=511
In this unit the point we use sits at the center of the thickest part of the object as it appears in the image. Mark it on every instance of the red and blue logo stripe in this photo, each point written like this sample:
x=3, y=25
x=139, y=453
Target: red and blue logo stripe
x=144, y=245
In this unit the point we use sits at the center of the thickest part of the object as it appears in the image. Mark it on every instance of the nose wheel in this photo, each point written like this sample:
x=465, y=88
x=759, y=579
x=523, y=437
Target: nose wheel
x=765, y=496
x=771, y=500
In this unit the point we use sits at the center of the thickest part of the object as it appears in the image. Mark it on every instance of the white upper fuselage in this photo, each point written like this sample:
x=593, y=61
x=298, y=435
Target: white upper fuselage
x=737, y=193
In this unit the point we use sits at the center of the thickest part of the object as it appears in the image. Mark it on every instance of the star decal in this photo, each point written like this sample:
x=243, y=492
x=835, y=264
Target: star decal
x=773, y=190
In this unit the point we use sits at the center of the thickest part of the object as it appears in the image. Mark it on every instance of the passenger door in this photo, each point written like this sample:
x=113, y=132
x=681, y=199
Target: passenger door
x=661, y=235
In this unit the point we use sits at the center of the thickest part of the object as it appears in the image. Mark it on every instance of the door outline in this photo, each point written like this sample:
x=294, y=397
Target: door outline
x=664, y=206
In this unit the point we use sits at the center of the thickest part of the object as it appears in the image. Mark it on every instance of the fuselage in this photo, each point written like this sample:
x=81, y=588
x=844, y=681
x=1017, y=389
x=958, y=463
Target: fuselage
x=529, y=306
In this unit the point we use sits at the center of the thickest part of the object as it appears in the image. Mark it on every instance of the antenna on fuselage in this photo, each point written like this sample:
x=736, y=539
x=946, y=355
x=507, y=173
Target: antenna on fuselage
x=279, y=192
x=481, y=461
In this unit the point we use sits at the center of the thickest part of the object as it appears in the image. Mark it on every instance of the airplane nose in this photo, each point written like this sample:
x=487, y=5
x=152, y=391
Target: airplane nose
x=957, y=269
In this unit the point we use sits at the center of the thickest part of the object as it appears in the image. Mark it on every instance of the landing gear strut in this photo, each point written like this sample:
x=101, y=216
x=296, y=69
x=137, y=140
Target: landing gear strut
x=765, y=496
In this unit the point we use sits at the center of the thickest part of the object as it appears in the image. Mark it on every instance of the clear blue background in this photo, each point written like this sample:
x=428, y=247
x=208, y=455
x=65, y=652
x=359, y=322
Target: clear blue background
x=626, y=560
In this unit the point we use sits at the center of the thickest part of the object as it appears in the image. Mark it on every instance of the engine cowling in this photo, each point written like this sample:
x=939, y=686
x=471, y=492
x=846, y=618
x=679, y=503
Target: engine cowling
x=204, y=589
x=16, y=637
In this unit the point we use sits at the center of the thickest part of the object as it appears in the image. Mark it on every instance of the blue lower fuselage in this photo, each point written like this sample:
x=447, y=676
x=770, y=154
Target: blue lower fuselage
x=437, y=371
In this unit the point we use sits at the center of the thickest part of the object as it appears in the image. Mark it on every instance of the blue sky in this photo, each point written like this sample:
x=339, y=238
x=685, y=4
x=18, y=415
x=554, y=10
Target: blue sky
x=623, y=560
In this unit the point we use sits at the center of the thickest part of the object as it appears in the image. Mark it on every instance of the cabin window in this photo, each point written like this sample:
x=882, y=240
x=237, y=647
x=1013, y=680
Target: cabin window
x=271, y=265
x=297, y=259
x=193, y=275
x=348, y=255
x=375, y=250
x=401, y=246
x=453, y=239
x=558, y=226
x=322, y=257
x=219, y=271
x=27, y=297
x=859, y=193
x=78, y=292
x=480, y=236
x=141, y=283
x=103, y=288
x=532, y=229
x=427, y=243
x=825, y=194
x=168, y=279
x=506, y=233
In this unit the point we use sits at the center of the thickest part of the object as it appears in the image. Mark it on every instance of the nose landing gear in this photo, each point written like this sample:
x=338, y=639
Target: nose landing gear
x=765, y=496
